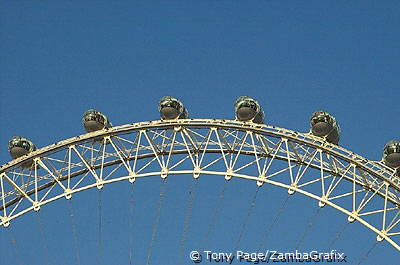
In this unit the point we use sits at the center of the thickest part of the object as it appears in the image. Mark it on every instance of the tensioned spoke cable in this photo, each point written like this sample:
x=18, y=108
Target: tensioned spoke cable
x=131, y=208
x=271, y=226
x=44, y=239
x=188, y=216
x=14, y=244
x=310, y=224
x=338, y=235
x=246, y=220
x=74, y=232
x=365, y=256
x=100, y=230
x=216, y=213
x=157, y=220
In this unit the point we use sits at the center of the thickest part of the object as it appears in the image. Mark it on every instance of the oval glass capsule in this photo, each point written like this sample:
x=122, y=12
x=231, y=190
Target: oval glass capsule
x=171, y=108
x=94, y=120
x=248, y=109
x=324, y=125
x=391, y=154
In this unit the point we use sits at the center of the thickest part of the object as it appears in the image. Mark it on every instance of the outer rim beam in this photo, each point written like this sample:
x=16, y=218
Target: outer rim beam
x=305, y=138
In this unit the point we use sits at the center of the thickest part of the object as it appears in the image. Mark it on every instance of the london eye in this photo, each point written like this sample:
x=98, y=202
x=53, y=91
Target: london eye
x=187, y=132
x=312, y=164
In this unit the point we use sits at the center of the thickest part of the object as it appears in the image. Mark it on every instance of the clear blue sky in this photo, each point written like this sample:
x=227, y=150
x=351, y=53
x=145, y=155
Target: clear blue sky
x=60, y=58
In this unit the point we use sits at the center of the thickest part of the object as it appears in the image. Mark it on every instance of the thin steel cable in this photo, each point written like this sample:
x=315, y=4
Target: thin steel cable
x=310, y=224
x=44, y=239
x=216, y=213
x=74, y=231
x=338, y=235
x=131, y=209
x=14, y=244
x=100, y=230
x=188, y=216
x=365, y=256
x=271, y=226
x=157, y=221
x=249, y=211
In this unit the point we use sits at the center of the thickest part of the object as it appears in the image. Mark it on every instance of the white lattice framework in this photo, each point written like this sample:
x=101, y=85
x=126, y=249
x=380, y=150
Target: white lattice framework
x=366, y=191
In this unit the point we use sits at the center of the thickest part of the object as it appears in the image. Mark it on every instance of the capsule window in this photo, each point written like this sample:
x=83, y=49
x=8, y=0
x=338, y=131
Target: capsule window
x=101, y=119
x=172, y=104
x=392, y=149
x=321, y=118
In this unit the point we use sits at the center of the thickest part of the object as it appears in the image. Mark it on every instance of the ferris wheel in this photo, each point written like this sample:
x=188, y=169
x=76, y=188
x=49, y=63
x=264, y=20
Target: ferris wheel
x=311, y=163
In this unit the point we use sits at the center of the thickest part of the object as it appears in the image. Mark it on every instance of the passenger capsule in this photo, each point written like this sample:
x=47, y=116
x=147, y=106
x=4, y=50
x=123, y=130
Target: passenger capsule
x=94, y=120
x=171, y=108
x=391, y=154
x=19, y=146
x=324, y=125
x=248, y=109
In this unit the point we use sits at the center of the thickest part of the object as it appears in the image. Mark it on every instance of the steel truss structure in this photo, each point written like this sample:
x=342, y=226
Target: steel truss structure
x=366, y=191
